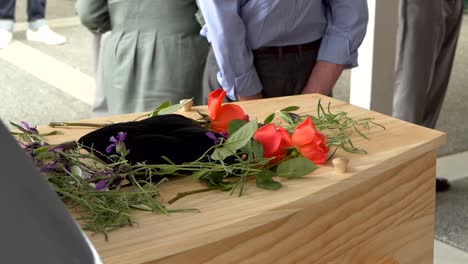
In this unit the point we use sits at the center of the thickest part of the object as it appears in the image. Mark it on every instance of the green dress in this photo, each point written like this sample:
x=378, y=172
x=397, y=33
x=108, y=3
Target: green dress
x=154, y=53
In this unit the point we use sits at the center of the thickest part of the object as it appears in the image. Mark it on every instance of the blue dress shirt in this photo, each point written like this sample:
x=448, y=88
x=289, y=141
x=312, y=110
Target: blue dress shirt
x=236, y=27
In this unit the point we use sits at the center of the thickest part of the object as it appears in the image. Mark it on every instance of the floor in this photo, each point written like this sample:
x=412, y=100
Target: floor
x=451, y=167
x=40, y=84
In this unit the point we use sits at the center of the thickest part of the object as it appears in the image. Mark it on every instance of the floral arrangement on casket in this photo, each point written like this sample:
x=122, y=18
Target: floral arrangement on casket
x=120, y=167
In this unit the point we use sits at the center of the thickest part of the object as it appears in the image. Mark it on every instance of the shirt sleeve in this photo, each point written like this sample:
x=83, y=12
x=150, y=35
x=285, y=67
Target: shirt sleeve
x=347, y=25
x=226, y=32
x=94, y=14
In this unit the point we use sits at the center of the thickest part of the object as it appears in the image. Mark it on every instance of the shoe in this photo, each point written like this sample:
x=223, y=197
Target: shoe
x=442, y=185
x=5, y=38
x=45, y=35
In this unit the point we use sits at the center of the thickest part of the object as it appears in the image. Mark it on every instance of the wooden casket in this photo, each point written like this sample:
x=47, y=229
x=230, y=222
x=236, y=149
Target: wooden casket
x=380, y=211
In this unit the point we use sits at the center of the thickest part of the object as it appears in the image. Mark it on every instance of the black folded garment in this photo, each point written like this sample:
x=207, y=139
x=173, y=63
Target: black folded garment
x=174, y=136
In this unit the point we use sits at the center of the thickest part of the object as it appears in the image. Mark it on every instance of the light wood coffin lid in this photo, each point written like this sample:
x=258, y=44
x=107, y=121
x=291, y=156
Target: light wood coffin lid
x=222, y=216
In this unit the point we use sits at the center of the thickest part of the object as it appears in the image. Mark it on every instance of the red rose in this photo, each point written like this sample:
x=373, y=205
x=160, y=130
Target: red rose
x=311, y=143
x=221, y=114
x=275, y=141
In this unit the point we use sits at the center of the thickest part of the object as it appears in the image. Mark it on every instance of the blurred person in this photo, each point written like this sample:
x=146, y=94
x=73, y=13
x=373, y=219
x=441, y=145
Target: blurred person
x=427, y=40
x=153, y=54
x=100, y=102
x=38, y=30
x=280, y=47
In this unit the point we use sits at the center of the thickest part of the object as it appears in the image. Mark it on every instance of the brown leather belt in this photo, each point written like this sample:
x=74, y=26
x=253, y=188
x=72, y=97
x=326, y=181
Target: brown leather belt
x=315, y=45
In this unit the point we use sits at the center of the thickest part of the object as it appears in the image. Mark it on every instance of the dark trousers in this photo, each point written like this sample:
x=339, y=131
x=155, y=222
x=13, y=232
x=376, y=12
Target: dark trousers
x=280, y=74
x=36, y=9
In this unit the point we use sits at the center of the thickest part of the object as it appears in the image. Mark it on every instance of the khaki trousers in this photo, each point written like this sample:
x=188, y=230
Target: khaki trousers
x=427, y=40
x=100, y=102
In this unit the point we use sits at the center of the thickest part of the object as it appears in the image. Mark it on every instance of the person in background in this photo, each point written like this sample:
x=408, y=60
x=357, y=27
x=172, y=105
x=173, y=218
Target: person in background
x=100, y=102
x=283, y=47
x=153, y=54
x=38, y=30
x=427, y=41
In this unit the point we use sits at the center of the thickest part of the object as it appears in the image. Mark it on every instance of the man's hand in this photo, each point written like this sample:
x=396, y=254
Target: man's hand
x=253, y=97
x=323, y=78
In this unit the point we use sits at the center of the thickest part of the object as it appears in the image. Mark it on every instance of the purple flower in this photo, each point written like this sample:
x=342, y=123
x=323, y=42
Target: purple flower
x=224, y=134
x=248, y=118
x=119, y=140
x=294, y=116
x=30, y=129
x=30, y=147
x=101, y=185
x=213, y=136
x=50, y=166
x=56, y=148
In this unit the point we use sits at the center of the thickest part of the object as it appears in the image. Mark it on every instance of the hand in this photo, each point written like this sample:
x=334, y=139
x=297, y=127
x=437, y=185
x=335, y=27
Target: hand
x=323, y=78
x=253, y=97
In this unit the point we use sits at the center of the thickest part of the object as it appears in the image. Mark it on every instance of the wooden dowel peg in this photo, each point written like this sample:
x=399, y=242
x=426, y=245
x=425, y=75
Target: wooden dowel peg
x=188, y=106
x=340, y=164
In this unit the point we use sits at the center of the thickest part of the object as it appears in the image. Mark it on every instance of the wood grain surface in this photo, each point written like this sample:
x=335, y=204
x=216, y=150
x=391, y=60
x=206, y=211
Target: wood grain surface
x=380, y=211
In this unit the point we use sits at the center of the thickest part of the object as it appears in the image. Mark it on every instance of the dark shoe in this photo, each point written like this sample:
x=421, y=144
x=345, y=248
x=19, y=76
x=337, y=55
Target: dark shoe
x=442, y=185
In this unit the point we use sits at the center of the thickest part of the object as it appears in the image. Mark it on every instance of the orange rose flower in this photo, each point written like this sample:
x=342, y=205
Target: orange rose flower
x=275, y=141
x=311, y=143
x=221, y=114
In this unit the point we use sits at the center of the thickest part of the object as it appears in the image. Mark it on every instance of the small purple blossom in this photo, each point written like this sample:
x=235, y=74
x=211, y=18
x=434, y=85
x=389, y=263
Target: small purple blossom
x=101, y=185
x=119, y=140
x=50, y=166
x=247, y=117
x=213, y=136
x=58, y=148
x=294, y=116
x=224, y=134
x=31, y=147
x=32, y=130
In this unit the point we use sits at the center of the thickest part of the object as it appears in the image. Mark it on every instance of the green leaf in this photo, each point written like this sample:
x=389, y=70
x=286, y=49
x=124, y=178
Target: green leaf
x=173, y=108
x=199, y=174
x=236, y=141
x=41, y=149
x=234, y=125
x=242, y=136
x=265, y=181
x=269, y=119
x=257, y=150
x=290, y=109
x=286, y=117
x=19, y=127
x=155, y=112
x=295, y=168
x=221, y=153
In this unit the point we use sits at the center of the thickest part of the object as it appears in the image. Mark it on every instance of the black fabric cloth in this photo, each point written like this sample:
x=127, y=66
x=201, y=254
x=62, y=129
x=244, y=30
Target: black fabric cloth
x=174, y=136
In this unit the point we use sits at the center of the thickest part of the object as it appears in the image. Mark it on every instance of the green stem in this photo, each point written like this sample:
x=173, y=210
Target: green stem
x=182, y=195
x=68, y=124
